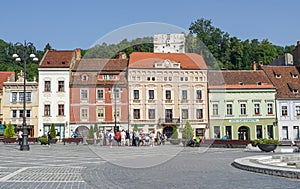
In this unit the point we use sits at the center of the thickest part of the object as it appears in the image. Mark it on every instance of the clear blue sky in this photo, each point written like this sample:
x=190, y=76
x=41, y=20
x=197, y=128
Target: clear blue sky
x=68, y=24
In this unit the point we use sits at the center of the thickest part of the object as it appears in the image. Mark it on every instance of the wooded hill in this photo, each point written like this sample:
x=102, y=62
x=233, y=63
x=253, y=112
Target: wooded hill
x=219, y=49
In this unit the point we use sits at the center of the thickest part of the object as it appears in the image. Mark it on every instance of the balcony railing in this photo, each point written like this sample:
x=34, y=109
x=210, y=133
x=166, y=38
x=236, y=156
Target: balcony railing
x=136, y=101
x=168, y=120
x=199, y=100
x=168, y=101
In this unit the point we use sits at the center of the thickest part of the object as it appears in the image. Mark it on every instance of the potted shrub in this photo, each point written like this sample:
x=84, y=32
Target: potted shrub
x=174, y=138
x=266, y=145
x=43, y=139
x=90, y=139
x=187, y=133
x=53, y=133
x=9, y=131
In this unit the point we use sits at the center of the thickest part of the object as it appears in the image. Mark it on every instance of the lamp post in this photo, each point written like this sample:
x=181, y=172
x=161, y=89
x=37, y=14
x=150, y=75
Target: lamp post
x=24, y=49
x=113, y=90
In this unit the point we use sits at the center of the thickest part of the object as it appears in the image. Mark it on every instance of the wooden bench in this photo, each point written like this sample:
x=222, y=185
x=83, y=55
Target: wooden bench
x=285, y=143
x=72, y=140
x=13, y=140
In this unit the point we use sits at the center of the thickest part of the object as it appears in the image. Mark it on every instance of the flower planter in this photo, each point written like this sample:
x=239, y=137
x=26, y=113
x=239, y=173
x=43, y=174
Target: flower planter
x=267, y=147
x=90, y=141
x=174, y=141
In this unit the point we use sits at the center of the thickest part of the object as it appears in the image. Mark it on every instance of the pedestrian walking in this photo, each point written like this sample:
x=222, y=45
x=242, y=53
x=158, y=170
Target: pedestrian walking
x=49, y=138
x=20, y=137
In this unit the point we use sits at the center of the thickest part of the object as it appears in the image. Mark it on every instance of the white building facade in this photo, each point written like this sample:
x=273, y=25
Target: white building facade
x=287, y=82
x=167, y=90
x=54, y=95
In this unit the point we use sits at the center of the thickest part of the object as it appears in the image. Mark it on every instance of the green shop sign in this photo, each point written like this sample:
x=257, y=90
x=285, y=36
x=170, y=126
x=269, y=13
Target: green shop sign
x=243, y=120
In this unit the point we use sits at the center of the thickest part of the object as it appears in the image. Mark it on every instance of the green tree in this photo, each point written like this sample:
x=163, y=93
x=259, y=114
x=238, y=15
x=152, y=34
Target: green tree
x=47, y=47
x=9, y=131
x=187, y=132
x=135, y=128
x=91, y=132
x=174, y=133
x=53, y=131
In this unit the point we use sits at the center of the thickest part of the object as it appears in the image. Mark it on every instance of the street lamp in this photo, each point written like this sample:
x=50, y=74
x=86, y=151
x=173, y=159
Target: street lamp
x=24, y=48
x=114, y=91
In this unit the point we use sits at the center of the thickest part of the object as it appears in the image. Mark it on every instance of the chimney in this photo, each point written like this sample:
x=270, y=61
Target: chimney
x=78, y=53
x=254, y=66
x=298, y=43
x=260, y=64
x=122, y=55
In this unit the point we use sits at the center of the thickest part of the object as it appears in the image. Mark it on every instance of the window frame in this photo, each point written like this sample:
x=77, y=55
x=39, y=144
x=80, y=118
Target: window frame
x=61, y=86
x=151, y=113
x=61, y=109
x=257, y=109
x=136, y=94
x=229, y=111
x=136, y=114
x=215, y=108
x=284, y=111
x=47, y=109
x=151, y=94
x=100, y=94
x=83, y=94
x=47, y=86
x=168, y=95
x=243, y=108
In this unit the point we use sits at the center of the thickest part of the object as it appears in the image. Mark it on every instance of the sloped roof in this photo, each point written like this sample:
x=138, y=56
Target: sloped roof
x=57, y=59
x=4, y=77
x=93, y=67
x=98, y=65
x=147, y=60
x=283, y=78
x=249, y=79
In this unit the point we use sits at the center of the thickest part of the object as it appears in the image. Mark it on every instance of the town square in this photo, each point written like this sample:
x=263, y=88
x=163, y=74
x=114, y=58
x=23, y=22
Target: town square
x=157, y=94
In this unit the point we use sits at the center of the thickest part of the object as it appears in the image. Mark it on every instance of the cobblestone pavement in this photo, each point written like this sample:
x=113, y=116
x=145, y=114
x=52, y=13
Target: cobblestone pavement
x=83, y=166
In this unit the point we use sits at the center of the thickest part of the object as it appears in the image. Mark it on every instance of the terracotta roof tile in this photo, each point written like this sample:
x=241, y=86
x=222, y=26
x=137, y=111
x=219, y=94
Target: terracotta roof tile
x=249, y=79
x=94, y=67
x=97, y=65
x=4, y=77
x=147, y=60
x=57, y=59
x=286, y=79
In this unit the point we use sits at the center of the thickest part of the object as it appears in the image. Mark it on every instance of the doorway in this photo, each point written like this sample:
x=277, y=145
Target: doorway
x=168, y=131
x=244, y=133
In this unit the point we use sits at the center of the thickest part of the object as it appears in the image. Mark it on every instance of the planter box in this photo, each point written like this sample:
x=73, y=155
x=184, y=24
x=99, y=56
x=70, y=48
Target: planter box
x=267, y=147
x=174, y=141
x=89, y=141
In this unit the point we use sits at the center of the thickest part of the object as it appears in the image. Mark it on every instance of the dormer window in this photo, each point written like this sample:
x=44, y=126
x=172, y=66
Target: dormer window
x=277, y=75
x=63, y=62
x=241, y=83
x=294, y=75
x=293, y=88
x=48, y=62
x=258, y=83
x=84, y=77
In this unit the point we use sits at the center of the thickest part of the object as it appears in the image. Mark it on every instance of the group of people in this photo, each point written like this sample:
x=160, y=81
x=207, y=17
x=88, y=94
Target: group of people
x=126, y=138
x=134, y=138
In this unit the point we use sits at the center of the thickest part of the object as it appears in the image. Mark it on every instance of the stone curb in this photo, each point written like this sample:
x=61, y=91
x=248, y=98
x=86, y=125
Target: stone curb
x=248, y=165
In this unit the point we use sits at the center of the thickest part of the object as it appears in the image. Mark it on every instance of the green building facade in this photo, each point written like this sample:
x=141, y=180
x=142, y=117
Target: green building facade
x=242, y=107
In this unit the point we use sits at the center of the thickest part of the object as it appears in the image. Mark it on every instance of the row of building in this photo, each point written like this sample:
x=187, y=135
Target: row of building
x=154, y=92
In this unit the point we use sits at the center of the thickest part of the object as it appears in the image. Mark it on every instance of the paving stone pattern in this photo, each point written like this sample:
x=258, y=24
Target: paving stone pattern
x=82, y=166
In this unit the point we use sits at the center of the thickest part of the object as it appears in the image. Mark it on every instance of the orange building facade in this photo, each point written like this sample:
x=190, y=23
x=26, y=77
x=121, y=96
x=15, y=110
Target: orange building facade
x=98, y=95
